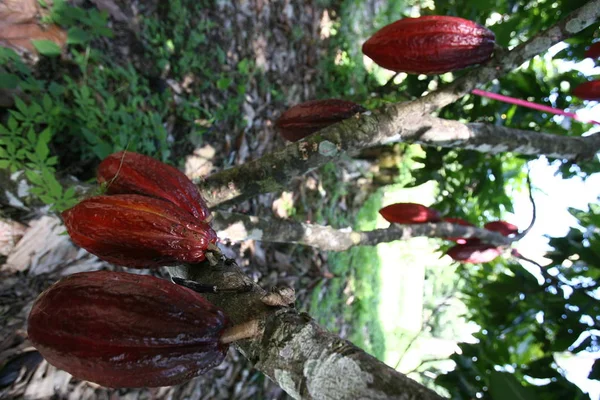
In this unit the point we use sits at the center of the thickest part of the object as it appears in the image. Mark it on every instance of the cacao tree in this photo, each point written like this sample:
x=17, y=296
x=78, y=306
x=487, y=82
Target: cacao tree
x=292, y=350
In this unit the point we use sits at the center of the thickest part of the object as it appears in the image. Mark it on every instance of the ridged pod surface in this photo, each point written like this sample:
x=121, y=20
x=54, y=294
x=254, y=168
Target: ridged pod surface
x=124, y=330
x=502, y=227
x=138, y=231
x=588, y=91
x=309, y=117
x=409, y=213
x=430, y=45
x=474, y=253
x=132, y=173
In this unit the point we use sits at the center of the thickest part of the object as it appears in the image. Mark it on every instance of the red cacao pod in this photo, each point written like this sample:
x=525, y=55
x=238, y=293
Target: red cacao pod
x=474, y=252
x=502, y=227
x=409, y=213
x=307, y=118
x=138, y=231
x=430, y=45
x=593, y=51
x=457, y=221
x=588, y=91
x=132, y=173
x=125, y=330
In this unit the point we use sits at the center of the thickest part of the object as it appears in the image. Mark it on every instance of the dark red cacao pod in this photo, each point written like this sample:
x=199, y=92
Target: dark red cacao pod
x=502, y=227
x=409, y=213
x=474, y=252
x=307, y=118
x=430, y=45
x=457, y=221
x=588, y=91
x=593, y=51
x=132, y=173
x=125, y=330
x=138, y=231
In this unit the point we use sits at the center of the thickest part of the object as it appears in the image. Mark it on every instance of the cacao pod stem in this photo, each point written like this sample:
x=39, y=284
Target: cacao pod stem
x=241, y=331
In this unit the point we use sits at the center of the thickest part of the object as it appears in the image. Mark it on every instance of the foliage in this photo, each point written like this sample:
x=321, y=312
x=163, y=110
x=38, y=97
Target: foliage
x=87, y=105
x=529, y=317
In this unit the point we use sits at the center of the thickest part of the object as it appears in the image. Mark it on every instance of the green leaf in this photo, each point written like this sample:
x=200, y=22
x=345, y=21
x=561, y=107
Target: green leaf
x=33, y=177
x=47, y=102
x=243, y=67
x=77, y=35
x=223, y=83
x=36, y=110
x=4, y=164
x=54, y=187
x=69, y=193
x=8, y=81
x=21, y=106
x=41, y=149
x=47, y=199
x=505, y=386
x=12, y=124
x=47, y=47
x=102, y=150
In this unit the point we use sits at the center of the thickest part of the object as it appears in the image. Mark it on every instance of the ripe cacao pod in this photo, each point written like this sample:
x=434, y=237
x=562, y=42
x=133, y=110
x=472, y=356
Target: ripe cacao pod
x=474, y=252
x=307, y=118
x=588, y=91
x=409, y=213
x=593, y=51
x=502, y=227
x=125, y=330
x=138, y=231
x=457, y=221
x=430, y=45
x=132, y=173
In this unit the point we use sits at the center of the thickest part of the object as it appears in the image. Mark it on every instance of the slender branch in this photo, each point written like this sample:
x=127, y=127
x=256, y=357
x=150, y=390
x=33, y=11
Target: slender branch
x=403, y=121
x=423, y=362
x=533, y=212
x=293, y=351
x=238, y=227
x=427, y=322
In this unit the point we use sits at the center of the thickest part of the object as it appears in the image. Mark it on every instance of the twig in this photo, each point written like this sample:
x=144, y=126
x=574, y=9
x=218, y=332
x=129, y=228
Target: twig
x=532, y=105
x=427, y=323
x=237, y=227
x=533, y=212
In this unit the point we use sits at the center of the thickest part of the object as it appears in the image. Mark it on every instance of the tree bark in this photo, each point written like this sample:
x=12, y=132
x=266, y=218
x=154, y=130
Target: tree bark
x=293, y=351
x=408, y=122
x=237, y=227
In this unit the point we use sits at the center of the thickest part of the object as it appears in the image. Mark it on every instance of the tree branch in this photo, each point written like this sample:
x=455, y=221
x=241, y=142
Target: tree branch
x=305, y=360
x=492, y=139
x=237, y=227
x=403, y=121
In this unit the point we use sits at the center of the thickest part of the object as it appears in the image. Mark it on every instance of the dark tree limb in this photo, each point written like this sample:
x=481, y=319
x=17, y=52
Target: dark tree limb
x=238, y=227
x=293, y=351
x=396, y=122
